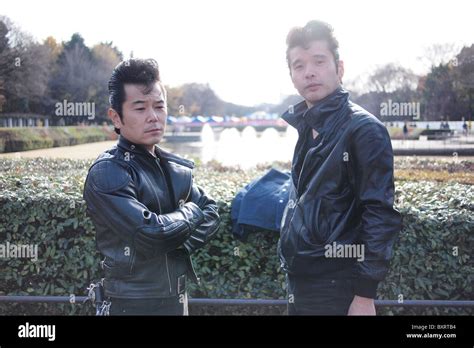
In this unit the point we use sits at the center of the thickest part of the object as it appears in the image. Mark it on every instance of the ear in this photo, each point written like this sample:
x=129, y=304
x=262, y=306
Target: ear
x=114, y=116
x=340, y=70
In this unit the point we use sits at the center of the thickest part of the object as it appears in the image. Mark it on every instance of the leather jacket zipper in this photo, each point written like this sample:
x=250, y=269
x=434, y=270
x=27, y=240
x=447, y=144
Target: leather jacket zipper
x=132, y=260
x=150, y=185
x=154, y=192
x=166, y=254
x=182, y=201
x=308, y=154
x=168, y=272
x=193, y=271
x=159, y=207
x=190, y=187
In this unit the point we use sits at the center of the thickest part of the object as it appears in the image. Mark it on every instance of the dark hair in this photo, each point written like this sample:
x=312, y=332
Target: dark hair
x=137, y=71
x=313, y=31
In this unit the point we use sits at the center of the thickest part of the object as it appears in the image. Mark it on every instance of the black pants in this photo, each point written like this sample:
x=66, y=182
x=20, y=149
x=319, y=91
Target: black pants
x=152, y=306
x=325, y=295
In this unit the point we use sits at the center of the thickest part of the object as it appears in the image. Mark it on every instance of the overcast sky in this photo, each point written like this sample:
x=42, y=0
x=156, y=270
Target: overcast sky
x=238, y=46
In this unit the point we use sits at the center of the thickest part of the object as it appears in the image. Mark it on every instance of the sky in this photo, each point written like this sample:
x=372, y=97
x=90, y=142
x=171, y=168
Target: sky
x=238, y=46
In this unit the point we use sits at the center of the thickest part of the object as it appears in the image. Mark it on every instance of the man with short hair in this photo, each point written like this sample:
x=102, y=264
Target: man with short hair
x=339, y=226
x=148, y=214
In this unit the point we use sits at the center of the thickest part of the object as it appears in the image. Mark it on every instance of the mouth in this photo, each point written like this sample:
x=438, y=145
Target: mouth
x=313, y=86
x=154, y=130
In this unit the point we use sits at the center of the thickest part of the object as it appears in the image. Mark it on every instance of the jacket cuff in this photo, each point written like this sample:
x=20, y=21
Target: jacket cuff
x=188, y=247
x=197, y=215
x=365, y=287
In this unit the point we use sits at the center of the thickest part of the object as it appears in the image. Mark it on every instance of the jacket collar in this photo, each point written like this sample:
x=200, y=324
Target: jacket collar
x=317, y=116
x=138, y=149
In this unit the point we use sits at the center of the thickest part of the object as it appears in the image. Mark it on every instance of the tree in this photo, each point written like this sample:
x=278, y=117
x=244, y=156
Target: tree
x=194, y=99
x=174, y=96
x=464, y=64
x=391, y=77
x=4, y=59
x=439, y=93
x=438, y=54
x=24, y=70
x=74, y=77
x=105, y=58
x=448, y=88
x=390, y=82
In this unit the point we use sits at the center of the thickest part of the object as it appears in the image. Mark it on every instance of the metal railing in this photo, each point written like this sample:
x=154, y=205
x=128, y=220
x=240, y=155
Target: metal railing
x=241, y=302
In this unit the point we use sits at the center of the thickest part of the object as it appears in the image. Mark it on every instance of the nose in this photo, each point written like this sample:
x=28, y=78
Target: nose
x=309, y=72
x=153, y=116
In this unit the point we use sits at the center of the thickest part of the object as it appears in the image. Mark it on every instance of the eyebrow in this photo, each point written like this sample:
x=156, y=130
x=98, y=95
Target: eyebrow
x=161, y=101
x=319, y=56
x=296, y=62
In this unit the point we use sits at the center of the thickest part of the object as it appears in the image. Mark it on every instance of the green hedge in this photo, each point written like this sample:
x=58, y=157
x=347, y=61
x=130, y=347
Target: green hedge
x=41, y=203
x=31, y=138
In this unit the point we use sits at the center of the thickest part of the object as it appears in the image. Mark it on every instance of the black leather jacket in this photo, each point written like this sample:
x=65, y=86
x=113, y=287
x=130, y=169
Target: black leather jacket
x=146, y=248
x=343, y=192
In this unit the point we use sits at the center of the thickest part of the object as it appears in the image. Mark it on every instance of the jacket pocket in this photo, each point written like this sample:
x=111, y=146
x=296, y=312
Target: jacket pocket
x=179, y=265
x=339, y=201
x=122, y=266
x=112, y=270
x=331, y=216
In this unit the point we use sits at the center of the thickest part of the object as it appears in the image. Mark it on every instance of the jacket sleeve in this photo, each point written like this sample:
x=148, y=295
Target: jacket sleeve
x=380, y=222
x=111, y=200
x=209, y=226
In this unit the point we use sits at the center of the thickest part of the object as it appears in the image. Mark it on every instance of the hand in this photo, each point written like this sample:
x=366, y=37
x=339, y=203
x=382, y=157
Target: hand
x=362, y=306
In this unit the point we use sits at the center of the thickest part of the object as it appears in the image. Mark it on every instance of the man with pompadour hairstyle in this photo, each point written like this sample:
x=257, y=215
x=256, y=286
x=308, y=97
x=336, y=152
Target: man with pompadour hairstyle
x=148, y=214
x=339, y=226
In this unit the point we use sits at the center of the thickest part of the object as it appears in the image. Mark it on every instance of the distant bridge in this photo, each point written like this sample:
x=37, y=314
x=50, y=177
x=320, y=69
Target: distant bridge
x=259, y=125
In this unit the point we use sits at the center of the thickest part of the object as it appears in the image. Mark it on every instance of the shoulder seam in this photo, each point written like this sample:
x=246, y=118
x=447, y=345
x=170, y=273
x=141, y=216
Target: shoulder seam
x=125, y=177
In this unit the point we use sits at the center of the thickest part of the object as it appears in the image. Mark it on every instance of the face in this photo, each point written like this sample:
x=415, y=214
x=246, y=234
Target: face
x=144, y=115
x=313, y=71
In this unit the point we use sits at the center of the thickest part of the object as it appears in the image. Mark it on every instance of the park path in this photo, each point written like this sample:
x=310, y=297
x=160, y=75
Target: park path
x=83, y=151
x=92, y=150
